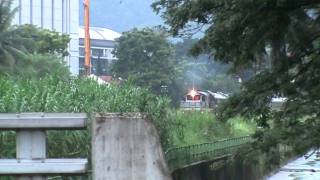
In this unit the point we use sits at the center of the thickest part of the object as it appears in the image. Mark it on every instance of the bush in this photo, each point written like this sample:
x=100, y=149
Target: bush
x=37, y=66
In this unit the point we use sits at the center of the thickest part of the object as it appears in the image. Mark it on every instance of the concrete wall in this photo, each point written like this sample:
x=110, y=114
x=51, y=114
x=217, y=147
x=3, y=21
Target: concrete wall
x=127, y=147
x=236, y=170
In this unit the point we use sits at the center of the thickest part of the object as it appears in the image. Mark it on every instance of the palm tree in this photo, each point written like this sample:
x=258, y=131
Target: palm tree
x=11, y=44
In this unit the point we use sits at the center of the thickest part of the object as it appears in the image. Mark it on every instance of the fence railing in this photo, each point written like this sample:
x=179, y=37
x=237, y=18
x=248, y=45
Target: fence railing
x=31, y=162
x=183, y=156
x=193, y=105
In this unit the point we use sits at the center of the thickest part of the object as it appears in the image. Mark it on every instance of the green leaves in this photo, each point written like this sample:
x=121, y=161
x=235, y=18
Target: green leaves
x=145, y=57
x=201, y=127
x=27, y=50
x=44, y=41
x=52, y=94
x=279, y=41
x=38, y=66
x=11, y=44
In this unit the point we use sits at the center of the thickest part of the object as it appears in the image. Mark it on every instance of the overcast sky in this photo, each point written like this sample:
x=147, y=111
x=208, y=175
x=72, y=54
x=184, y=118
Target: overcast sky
x=121, y=15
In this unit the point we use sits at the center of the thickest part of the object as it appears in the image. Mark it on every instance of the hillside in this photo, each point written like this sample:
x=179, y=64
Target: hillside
x=121, y=15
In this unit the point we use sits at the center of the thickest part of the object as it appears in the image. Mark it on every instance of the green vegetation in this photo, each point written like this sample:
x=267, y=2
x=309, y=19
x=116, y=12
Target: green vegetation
x=28, y=51
x=200, y=127
x=202, y=71
x=50, y=94
x=283, y=51
x=44, y=41
x=37, y=66
x=280, y=41
x=148, y=59
x=144, y=56
x=43, y=55
x=185, y=155
x=221, y=83
x=11, y=44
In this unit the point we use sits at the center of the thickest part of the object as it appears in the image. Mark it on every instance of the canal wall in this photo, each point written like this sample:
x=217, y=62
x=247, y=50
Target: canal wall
x=229, y=171
x=126, y=146
x=256, y=166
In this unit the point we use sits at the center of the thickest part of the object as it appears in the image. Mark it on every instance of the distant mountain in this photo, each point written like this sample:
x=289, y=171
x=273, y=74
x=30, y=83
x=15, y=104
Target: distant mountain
x=121, y=15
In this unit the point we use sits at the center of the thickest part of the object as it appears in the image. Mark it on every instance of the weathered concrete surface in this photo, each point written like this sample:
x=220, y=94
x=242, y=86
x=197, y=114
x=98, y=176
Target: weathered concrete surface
x=218, y=170
x=127, y=147
x=300, y=168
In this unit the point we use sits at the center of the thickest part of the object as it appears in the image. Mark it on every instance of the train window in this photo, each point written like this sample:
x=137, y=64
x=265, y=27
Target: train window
x=203, y=98
x=196, y=97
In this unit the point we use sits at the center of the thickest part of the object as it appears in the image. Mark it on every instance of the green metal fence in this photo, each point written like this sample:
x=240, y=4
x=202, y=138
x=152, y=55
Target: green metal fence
x=186, y=155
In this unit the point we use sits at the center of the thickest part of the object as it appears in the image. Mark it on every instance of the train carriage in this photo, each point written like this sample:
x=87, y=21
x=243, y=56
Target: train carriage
x=201, y=100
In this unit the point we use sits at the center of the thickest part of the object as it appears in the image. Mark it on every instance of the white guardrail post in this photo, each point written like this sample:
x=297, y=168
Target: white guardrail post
x=31, y=162
x=31, y=145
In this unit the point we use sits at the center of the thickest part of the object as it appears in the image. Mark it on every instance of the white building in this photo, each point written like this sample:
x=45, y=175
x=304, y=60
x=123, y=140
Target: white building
x=102, y=42
x=58, y=15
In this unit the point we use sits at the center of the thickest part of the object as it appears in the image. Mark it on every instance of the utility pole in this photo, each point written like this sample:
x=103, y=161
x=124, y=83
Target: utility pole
x=87, y=60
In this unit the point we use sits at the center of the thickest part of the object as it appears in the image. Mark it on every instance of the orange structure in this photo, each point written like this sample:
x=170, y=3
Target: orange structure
x=87, y=60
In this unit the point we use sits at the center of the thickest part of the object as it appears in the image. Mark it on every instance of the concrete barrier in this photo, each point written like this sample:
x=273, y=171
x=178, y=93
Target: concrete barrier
x=126, y=146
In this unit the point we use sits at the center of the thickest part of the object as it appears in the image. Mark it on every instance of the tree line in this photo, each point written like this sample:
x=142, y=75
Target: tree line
x=280, y=41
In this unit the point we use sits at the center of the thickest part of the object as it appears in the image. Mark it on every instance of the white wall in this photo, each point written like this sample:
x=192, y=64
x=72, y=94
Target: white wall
x=58, y=15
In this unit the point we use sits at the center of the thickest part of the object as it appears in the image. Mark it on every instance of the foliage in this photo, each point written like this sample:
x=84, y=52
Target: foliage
x=144, y=56
x=45, y=41
x=222, y=83
x=37, y=66
x=200, y=127
x=282, y=36
x=182, y=49
x=29, y=51
x=51, y=94
x=11, y=44
x=203, y=72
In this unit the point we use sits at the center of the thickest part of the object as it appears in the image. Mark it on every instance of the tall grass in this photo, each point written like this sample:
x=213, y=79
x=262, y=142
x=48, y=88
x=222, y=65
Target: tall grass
x=51, y=94
x=76, y=95
x=200, y=127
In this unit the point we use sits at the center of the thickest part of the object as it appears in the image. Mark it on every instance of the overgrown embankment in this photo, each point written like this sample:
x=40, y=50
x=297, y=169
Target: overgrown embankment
x=202, y=126
x=51, y=94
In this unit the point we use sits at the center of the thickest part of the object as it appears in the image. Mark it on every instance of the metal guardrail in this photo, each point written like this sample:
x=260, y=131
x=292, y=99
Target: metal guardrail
x=31, y=149
x=183, y=156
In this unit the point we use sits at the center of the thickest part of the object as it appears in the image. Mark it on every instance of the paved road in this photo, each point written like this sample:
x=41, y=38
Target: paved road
x=300, y=169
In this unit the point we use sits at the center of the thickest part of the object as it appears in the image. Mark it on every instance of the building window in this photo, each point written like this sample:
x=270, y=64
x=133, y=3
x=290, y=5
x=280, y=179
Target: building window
x=109, y=54
x=81, y=66
x=100, y=67
x=81, y=51
x=97, y=52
